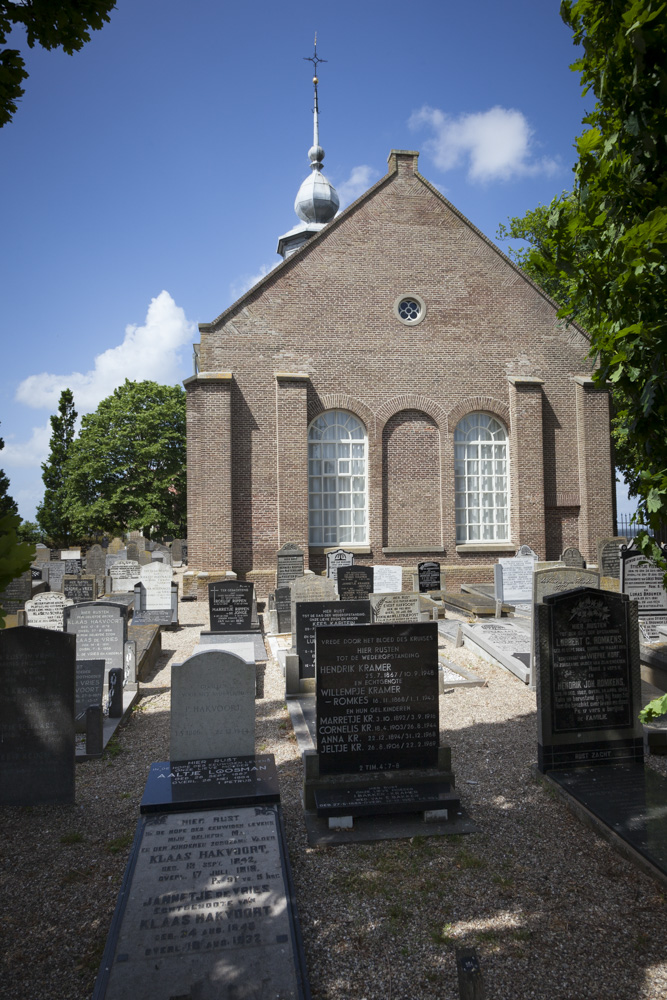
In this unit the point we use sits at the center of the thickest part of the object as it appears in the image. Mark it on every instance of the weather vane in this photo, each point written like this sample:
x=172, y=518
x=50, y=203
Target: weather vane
x=314, y=59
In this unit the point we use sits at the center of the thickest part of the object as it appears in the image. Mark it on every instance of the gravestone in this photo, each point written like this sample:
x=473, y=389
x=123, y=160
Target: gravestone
x=336, y=560
x=525, y=552
x=124, y=574
x=116, y=545
x=643, y=581
x=428, y=574
x=387, y=579
x=236, y=639
x=46, y=611
x=42, y=553
x=505, y=642
x=588, y=680
x=283, y=608
x=314, y=614
x=377, y=697
x=73, y=566
x=37, y=691
x=309, y=588
x=13, y=598
x=100, y=630
x=70, y=553
x=177, y=552
x=400, y=607
x=230, y=605
x=110, y=560
x=556, y=581
x=96, y=562
x=212, y=706
x=573, y=558
x=80, y=588
x=144, y=557
x=56, y=570
x=89, y=689
x=289, y=564
x=155, y=587
x=133, y=548
x=609, y=559
x=513, y=579
x=162, y=556
x=355, y=583
x=35, y=574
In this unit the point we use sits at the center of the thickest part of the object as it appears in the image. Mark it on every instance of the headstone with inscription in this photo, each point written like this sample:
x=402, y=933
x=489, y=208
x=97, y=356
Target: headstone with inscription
x=42, y=553
x=309, y=588
x=73, y=566
x=155, y=587
x=572, y=557
x=212, y=706
x=289, y=564
x=283, y=608
x=428, y=574
x=161, y=555
x=177, y=552
x=37, y=692
x=503, y=642
x=643, y=581
x=13, y=598
x=116, y=545
x=387, y=579
x=609, y=559
x=56, y=575
x=124, y=574
x=355, y=583
x=96, y=563
x=525, y=552
x=46, y=611
x=100, y=630
x=393, y=608
x=588, y=680
x=133, y=548
x=89, y=689
x=230, y=605
x=80, y=588
x=336, y=560
x=513, y=579
x=556, y=581
x=70, y=553
x=311, y=615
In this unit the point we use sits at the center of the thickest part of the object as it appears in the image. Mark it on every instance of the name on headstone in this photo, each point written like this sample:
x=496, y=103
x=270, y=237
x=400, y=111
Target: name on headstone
x=314, y=614
x=513, y=579
x=336, y=560
x=400, y=607
x=124, y=574
x=89, y=689
x=377, y=697
x=429, y=576
x=46, y=611
x=156, y=580
x=100, y=630
x=355, y=583
x=289, y=564
x=609, y=556
x=80, y=588
x=72, y=566
x=230, y=605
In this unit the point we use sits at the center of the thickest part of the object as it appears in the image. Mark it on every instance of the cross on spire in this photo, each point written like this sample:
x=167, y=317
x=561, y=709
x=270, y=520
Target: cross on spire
x=315, y=60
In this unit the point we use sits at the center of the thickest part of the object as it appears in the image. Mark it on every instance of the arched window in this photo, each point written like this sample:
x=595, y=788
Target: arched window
x=480, y=471
x=337, y=493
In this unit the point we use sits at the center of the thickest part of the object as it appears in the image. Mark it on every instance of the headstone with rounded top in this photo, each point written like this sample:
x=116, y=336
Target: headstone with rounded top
x=289, y=564
x=609, y=559
x=556, y=581
x=572, y=557
x=46, y=611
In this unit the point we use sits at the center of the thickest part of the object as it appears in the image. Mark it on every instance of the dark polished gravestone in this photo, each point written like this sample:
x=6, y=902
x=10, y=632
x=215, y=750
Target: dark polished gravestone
x=289, y=564
x=311, y=615
x=428, y=574
x=283, y=606
x=588, y=680
x=207, y=908
x=355, y=583
x=37, y=703
x=16, y=593
x=230, y=605
x=377, y=697
x=89, y=689
x=80, y=588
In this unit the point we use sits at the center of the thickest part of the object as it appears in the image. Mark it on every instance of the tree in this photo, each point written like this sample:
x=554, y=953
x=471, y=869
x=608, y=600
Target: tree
x=51, y=513
x=127, y=467
x=15, y=556
x=52, y=24
x=601, y=248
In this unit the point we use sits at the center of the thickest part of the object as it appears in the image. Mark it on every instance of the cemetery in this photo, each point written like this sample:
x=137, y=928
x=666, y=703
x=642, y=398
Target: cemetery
x=395, y=784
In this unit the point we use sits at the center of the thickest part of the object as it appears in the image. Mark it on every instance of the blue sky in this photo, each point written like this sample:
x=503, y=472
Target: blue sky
x=148, y=177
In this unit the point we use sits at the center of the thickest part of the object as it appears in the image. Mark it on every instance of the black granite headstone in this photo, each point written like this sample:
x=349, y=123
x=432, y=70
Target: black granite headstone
x=16, y=593
x=377, y=697
x=89, y=689
x=79, y=588
x=283, y=606
x=37, y=692
x=214, y=782
x=35, y=573
x=588, y=679
x=230, y=605
x=312, y=614
x=72, y=566
x=355, y=583
x=429, y=576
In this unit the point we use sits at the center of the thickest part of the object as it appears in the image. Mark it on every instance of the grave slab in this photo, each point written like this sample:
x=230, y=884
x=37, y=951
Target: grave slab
x=503, y=642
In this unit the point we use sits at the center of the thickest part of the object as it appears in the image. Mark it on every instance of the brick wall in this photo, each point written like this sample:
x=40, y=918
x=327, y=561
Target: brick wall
x=320, y=332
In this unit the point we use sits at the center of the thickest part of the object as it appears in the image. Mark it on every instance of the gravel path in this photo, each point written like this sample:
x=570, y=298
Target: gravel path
x=553, y=911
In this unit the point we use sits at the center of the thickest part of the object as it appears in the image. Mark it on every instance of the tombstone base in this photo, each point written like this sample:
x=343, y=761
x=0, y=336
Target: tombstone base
x=559, y=756
x=109, y=727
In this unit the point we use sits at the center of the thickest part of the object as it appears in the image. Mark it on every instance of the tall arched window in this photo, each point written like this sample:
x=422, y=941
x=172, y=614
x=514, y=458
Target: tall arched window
x=480, y=471
x=337, y=493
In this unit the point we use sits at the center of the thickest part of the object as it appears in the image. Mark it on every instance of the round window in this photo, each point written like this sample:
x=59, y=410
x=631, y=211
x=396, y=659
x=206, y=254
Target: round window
x=410, y=309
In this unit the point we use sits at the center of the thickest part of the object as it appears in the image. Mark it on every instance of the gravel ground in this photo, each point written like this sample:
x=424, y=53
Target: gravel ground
x=552, y=910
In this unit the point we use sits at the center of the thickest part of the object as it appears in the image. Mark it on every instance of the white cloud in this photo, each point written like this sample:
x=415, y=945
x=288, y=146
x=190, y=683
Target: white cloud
x=151, y=351
x=496, y=144
x=360, y=180
x=25, y=454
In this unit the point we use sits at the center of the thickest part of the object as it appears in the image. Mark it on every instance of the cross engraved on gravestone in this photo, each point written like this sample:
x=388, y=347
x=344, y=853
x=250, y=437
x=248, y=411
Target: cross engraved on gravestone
x=37, y=686
x=588, y=677
x=355, y=583
x=387, y=579
x=46, y=611
x=572, y=557
x=230, y=605
x=395, y=607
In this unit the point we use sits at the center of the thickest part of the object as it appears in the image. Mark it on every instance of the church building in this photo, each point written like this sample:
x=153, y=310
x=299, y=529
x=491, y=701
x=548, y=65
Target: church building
x=396, y=387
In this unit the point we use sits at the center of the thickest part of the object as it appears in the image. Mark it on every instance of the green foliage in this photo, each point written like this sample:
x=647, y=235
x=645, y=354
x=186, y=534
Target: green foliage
x=30, y=531
x=601, y=249
x=654, y=709
x=15, y=556
x=127, y=467
x=52, y=24
x=7, y=504
x=52, y=516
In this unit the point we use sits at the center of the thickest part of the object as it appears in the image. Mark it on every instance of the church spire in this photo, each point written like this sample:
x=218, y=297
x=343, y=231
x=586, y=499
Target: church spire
x=316, y=202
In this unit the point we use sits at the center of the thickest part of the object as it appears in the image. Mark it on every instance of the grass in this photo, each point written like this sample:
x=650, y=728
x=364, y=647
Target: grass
x=119, y=844
x=466, y=859
x=113, y=748
x=73, y=837
x=442, y=936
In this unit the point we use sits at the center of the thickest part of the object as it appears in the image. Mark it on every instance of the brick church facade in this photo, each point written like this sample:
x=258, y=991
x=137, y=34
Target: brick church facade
x=397, y=387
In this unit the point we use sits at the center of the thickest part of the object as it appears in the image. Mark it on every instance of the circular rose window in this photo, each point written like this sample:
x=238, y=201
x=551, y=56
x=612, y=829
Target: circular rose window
x=410, y=309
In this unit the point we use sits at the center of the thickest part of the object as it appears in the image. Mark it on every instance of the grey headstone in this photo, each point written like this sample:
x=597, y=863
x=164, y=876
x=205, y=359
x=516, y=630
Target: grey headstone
x=394, y=608
x=15, y=595
x=289, y=564
x=212, y=706
x=56, y=575
x=96, y=561
x=37, y=691
x=572, y=557
x=513, y=579
x=309, y=588
x=525, y=552
x=156, y=579
x=101, y=632
x=124, y=574
x=336, y=560
x=609, y=559
x=505, y=642
x=46, y=611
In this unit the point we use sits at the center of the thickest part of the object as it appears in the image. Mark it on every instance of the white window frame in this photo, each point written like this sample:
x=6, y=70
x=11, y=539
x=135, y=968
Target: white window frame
x=481, y=479
x=337, y=480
